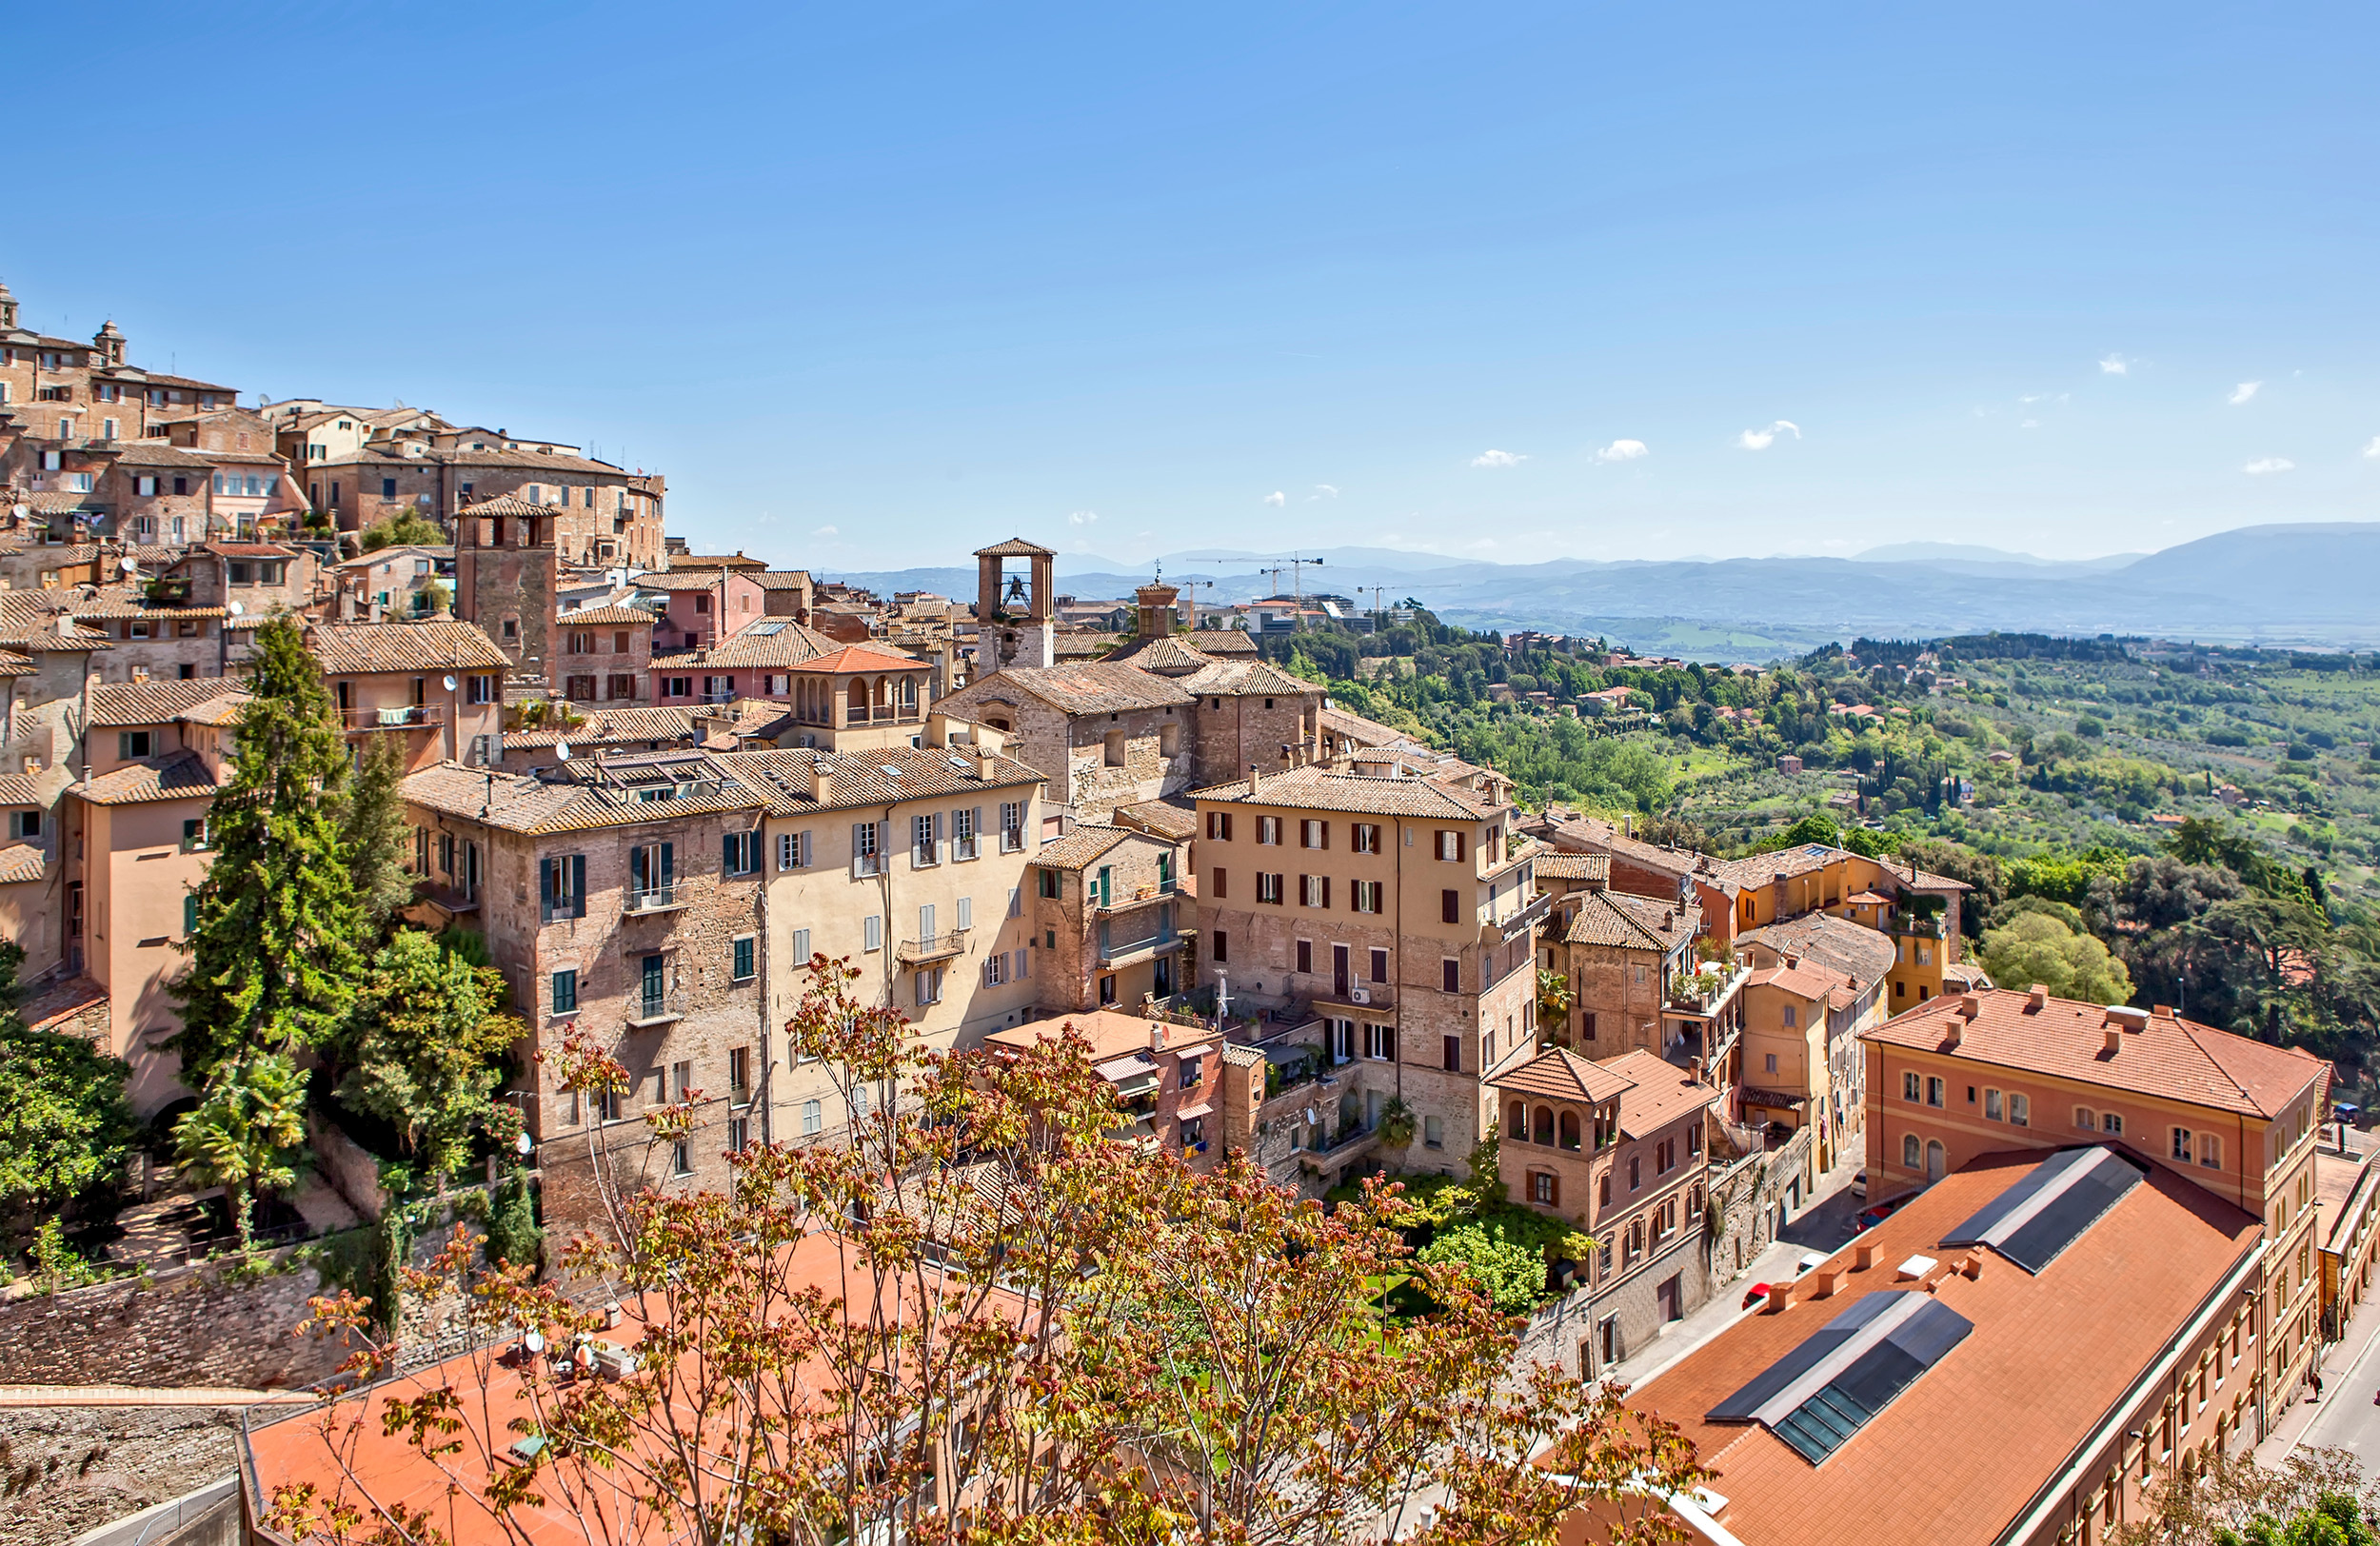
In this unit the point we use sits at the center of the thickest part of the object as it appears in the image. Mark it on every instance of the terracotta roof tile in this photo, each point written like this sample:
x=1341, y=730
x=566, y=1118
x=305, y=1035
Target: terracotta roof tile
x=1852, y=949
x=1629, y=922
x=2177, y=1059
x=1659, y=1093
x=1559, y=1074
x=1111, y=1033
x=116, y=703
x=1162, y=816
x=1561, y=867
x=1016, y=547
x=772, y=642
x=20, y=863
x=19, y=789
x=1085, y=846
x=61, y=999
x=1100, y=687
x=1247, y=679
x=862, y=658
x=431, y=645
x=1319, y=788
x=180, y=774
x=621, y=615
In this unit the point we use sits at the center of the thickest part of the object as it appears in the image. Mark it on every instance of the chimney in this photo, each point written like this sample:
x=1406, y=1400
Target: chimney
x=1825, y=1282
x=1970, y=1005
x=1953, y=1032
x=1157, y=1035
x=2037, y=999
x=1792, y=962
x=1780, y=1299
x=1863, y=1256
x=986, y=765
x=1254, y=778
x=2116, y=1038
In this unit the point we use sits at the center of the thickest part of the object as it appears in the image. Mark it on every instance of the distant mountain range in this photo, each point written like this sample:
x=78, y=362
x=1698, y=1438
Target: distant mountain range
x=2305, y=585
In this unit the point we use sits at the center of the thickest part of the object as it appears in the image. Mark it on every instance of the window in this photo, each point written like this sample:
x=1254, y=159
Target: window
x=1314, y=891
x=1935, y=1093
x=1221, y=953
x=1543, y=1189
x=793, y=850
x=1305, y=956
x=1991, y=1105
x=1268, y=830
x=1909, y=1087
x=1636, y=1172
x=740, y=853
x=962, y=833
x=562, y=886
x=1379, y=1042
x=1268, y=889
x=1432, y=1132
x=26, y=825
x=800, y=948
x=929, y=979
x=1454, y=1053
x=2086, y=1120
x=1219, y=825
x=1771, y=1067
x=1450, y=974
x=2211, y=1150
x=865, y=859
x=1450, y=907
x=994, y=969
x=2182, y=1145
x=2111, y=1124
x=1367, y=838
x=1216, y=888
x=1193, y=1072
x=1379, y=965
x=810, y=1119
x=2019, y=1110
x=1011, y=825
x=872, y=932
x=1313, y=834
x=1107, y=990
x=131, y=743
x=741, y=954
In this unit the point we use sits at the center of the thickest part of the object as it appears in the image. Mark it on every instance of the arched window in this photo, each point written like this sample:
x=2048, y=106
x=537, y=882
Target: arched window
x=859, y=699
x=1909, y=1151
x=1570, y=1130
x=1519, y=1123
x=1545, y=1125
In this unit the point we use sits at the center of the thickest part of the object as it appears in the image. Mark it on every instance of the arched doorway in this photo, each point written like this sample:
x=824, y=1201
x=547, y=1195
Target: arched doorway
x=1933, y=1159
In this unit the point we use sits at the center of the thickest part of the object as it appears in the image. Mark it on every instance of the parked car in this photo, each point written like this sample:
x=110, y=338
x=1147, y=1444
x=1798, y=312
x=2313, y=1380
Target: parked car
x=1859, y=1186
x=1759, y=1291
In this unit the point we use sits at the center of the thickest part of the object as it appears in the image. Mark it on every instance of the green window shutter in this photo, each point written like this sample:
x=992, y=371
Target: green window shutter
x=190, y=913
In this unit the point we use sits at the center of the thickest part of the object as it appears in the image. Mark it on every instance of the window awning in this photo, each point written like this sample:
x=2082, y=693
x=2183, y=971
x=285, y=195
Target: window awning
x=1199, y=1110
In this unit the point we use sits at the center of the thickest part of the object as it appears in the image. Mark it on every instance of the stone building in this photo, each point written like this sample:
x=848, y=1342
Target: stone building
x=596, y=514
x=606, y=655
x=1624, y=955
x=1398, y=911
x=507, y=572
x=1105, y=734
x=67, y=392
x=436, y=683
x=1618, y=1149
x=621, y=898
x=1113, y=926
x=405, y=580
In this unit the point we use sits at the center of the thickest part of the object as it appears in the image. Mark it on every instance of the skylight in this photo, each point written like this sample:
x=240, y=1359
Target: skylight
x=2050, y=1209
x=1824, y=1391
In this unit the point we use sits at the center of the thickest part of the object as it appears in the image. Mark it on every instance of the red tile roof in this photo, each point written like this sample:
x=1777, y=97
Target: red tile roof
x=1959, y=1456
x=2176, y=1060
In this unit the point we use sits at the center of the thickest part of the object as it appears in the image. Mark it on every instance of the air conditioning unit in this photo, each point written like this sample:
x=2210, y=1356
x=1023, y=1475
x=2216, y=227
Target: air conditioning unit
x=1358, y=995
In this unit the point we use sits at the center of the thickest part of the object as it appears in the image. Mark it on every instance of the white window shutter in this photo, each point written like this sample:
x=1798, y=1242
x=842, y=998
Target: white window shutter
x=967, y=912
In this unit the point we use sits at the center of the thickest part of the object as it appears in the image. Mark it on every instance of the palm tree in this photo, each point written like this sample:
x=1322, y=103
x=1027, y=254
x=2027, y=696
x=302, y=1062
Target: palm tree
x=246, y=1133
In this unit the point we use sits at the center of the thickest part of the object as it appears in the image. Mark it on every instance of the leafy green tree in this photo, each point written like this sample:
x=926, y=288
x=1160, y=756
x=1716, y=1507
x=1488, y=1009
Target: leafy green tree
x=246, y=1133
x=423, y=1055
x=1509, y=1273
x=65, y=1127
x=375, y=835
x=276, y=953
x=399, y=530
x=2036, y=947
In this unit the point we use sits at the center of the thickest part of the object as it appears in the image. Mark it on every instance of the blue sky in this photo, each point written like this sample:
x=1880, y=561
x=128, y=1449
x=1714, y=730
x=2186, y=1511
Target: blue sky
x=876, y=284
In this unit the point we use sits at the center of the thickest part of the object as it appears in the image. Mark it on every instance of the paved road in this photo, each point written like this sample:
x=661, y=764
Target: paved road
x=2348, y=1419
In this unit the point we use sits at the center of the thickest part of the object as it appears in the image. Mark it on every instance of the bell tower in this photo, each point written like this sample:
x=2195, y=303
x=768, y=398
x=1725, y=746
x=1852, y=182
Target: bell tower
x=1015, y=615
x=8, y=307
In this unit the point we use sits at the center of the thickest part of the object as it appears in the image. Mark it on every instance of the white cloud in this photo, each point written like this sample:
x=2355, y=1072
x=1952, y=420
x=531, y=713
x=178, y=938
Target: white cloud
x=826, y=531
x=2029, y=424
x=2269, y=464
x=2371, y=447
x=1760, y=440
x=1622, y=450
x=1499, y=458
x=2242, y=392
x=1324, y=491
x=1081, y=517
x=1277, y=498
x=2115, y=364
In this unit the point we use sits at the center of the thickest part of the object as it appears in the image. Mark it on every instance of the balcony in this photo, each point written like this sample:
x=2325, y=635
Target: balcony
x=1141, y=896
x=881, y=714
x=933, y=947
x=648, y=1011
x=653, y=899
x=1358, y=995
x=1521, y=921
x=402, y=716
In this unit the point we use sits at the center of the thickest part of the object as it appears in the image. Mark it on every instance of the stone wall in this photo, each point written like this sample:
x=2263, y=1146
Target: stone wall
x=195, y=1325
x=72, y=1469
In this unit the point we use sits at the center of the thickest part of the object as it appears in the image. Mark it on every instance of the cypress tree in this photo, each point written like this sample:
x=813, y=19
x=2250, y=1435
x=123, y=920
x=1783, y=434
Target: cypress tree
x=276, y=953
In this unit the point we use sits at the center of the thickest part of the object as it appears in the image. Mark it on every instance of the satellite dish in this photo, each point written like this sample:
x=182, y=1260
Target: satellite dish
x=236, y=608
x=533, y=1340
x=561, y=750
x=450, y=682
x=129, y=563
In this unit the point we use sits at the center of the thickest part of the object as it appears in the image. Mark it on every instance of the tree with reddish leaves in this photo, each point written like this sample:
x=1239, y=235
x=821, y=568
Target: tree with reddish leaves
x=980, y=1318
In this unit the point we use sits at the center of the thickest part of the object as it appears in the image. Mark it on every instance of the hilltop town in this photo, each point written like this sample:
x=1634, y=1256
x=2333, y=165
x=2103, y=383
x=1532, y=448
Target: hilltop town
x=664, y=837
